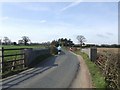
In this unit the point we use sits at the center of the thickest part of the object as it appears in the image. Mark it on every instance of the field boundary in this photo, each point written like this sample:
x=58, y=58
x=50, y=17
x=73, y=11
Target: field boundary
x=15, y=60
x=10, y=65
x=107, y=59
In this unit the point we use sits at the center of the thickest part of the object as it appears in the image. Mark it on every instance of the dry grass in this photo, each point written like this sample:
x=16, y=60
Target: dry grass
x=114, y=50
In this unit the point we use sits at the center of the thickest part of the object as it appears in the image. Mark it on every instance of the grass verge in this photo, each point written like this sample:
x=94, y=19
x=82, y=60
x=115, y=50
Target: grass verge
x=98, y=80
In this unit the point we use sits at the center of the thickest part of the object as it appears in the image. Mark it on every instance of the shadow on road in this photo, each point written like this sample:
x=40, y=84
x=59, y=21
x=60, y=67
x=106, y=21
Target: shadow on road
x=62, y=53
x=40, y=68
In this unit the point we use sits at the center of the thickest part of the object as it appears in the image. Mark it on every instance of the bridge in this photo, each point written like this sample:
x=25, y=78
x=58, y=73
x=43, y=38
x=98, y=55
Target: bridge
x=55, y=72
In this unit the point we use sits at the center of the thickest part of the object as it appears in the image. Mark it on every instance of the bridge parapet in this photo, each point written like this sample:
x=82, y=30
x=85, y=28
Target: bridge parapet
x=32, y=54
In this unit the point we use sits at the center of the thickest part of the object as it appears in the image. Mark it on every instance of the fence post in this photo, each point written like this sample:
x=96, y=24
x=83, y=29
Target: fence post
x=1, y=59
x=93, y=54
x=23, y=61
x=1, y=54
x=13, y=65
x=27, y=56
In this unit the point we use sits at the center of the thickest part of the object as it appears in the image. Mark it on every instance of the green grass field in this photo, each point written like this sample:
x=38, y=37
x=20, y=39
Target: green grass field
x=18, y=51
x=23, y=46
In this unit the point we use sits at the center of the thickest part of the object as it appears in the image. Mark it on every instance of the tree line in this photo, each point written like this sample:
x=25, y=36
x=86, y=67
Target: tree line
x=23, y=41
x=62, y=42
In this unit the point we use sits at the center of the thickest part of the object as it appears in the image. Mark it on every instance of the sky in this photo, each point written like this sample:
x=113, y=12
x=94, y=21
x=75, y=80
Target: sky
x=47, y=21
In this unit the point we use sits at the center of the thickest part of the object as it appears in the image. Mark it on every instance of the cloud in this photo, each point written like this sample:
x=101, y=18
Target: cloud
x=4, y=18
x=43, y=21
x=102, y=36
x=57, y=0
x=31, y=7
x=77, y=2
x=110, y=34
x=18, y=20
x=37, y=8
x=107, y=35
x=34, y=7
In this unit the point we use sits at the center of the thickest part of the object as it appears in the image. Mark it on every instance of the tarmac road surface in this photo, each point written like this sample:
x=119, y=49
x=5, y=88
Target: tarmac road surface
x=55, y=72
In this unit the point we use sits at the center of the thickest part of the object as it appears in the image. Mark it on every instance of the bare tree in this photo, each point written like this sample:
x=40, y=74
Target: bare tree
x=81, y=39
x=25, y=40
x=6, y=40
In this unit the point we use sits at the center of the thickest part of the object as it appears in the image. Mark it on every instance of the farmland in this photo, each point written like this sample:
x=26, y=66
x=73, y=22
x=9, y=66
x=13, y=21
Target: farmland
x=108, y=61
x=114, y=50
x=23, y=46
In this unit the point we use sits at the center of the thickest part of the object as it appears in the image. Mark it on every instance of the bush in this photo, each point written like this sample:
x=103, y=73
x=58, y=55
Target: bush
x=110, y=68
x=53, y=50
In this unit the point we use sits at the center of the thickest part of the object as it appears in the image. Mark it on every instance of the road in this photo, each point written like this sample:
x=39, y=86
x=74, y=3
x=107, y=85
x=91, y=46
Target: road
x=54, y=72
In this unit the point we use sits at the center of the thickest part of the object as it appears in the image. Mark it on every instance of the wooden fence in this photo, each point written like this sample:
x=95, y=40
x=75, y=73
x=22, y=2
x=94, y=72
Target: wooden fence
x=13, y=64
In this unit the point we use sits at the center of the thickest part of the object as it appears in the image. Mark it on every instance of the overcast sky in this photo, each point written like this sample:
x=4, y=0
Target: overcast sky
x=47, y=21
